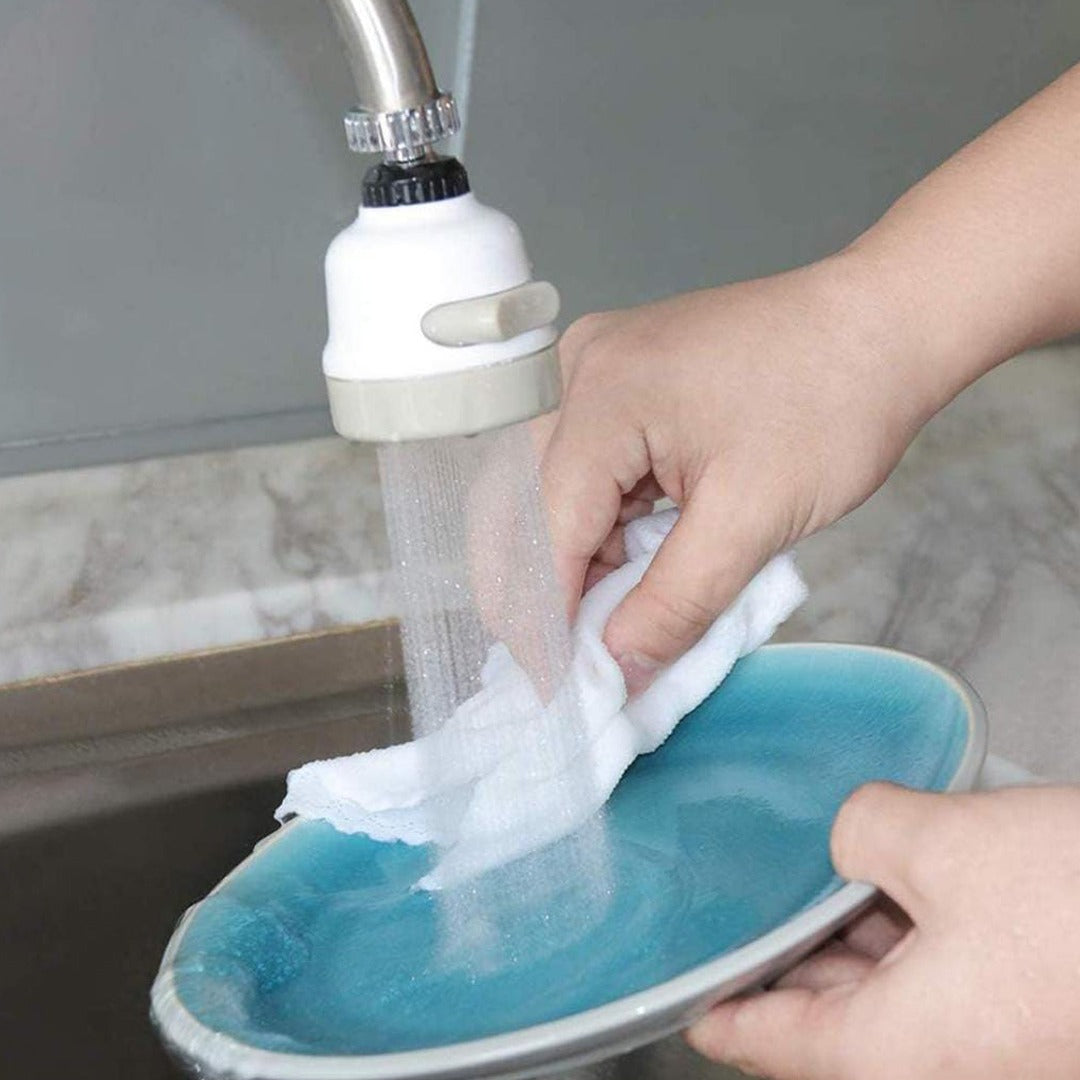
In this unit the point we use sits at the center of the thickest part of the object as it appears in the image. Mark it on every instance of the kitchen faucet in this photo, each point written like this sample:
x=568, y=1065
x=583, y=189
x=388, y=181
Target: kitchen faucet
x=436, y=327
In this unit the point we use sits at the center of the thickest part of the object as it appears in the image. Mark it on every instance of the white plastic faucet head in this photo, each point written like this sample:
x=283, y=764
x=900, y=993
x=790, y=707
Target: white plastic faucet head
x=436, y=326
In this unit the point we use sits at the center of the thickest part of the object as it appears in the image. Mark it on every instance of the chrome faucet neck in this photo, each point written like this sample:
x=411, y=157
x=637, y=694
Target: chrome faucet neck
x=400, y=110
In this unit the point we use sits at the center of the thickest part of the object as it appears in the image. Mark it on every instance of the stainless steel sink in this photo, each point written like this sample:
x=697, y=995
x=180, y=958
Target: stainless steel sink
x=126, y=794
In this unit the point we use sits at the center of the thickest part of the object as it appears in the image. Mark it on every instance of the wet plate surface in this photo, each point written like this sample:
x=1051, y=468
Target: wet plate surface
x=316, y=958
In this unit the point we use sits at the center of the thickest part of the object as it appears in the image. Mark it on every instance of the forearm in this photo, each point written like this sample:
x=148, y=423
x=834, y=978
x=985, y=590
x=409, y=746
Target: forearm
x=981, y=259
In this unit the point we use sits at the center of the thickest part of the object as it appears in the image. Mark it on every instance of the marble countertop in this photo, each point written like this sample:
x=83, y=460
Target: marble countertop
x=970, y=555
x=172, y=555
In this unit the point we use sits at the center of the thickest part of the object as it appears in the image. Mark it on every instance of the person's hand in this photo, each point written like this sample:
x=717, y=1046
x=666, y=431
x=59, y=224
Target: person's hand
x=765, y=410
x=984, y=986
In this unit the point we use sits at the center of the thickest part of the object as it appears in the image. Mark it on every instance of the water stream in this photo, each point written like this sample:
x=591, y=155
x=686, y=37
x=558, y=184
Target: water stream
x=473, y=567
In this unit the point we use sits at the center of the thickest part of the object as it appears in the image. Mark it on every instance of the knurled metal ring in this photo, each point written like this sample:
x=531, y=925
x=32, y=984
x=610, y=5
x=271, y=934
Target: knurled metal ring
x=402, y=135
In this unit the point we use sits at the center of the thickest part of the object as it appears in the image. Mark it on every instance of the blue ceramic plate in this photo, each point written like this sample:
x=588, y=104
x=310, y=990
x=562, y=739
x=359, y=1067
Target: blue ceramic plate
x=315, y=959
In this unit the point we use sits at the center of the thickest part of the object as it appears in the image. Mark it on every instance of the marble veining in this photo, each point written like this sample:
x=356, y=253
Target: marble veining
x=125, y=562
x=969, y=555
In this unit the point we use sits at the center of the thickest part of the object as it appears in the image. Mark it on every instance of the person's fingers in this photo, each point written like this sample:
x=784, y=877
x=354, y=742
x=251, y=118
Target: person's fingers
x=583, y=506
x=611, y=554
x=877, y=932
x=795, y=1034
x=715, y=548
x=883, y=835
x=569, y=565
x=595, y=573
x=588, y=466
x=647, y=489
x=540, y=432
x=612, y=549
x=632, y=509
x=577, y=337
x=834, y=964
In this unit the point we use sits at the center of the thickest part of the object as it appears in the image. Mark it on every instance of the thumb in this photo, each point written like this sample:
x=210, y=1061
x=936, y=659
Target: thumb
x=714, y=549
x=884, y=834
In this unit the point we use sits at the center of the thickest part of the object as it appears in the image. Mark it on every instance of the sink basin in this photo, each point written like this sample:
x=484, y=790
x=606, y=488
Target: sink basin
x=83, y=925
x=130, y=794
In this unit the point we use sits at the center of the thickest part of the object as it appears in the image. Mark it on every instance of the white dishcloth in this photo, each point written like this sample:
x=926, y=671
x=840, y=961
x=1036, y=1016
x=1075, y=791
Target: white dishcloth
x=503, y=776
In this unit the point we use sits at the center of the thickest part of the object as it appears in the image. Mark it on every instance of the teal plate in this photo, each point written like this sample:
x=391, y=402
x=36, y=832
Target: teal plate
x=316, y=960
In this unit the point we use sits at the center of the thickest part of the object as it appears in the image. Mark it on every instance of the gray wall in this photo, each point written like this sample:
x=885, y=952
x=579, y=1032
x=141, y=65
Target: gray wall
x=172, y=173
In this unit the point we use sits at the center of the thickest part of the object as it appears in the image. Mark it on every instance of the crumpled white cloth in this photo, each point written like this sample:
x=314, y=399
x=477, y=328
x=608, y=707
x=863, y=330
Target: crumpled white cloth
x=504, y=776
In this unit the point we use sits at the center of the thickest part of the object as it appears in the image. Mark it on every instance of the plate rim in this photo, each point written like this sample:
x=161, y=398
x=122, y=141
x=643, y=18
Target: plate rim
x=671, y=1004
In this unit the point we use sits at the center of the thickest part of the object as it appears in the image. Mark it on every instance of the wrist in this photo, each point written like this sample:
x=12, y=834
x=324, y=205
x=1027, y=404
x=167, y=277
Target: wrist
x=898, y=356
x=927, y=346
